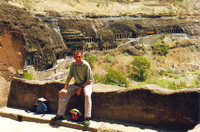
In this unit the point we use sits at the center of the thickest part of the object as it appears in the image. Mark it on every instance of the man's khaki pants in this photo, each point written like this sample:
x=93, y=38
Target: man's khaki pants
x=71, y=90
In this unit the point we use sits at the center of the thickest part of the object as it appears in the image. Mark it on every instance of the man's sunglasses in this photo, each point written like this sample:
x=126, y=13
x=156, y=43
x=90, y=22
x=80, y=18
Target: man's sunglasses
x=78, y=57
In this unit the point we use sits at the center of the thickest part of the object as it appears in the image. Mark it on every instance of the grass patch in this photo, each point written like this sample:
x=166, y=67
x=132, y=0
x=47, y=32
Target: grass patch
x=196, y=82
x=169, y=84
x=166, y=83
x=167, y=72
x=28, y=76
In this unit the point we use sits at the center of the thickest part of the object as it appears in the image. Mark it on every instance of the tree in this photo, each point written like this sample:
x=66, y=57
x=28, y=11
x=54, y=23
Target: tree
x=140, y=65
x=160, y=48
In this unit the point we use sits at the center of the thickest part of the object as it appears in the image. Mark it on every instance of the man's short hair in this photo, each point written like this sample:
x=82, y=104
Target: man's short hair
x=79, y=51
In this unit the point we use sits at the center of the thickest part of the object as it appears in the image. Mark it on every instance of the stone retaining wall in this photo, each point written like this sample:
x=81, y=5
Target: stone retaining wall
x=4, y=91
x=147, y=105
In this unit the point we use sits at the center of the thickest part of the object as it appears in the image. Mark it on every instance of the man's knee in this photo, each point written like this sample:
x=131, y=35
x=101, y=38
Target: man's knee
x=88, y=90
x=63, y=96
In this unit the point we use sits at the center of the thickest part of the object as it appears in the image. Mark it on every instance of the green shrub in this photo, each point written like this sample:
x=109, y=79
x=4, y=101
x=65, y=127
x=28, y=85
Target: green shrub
x=160, y=48
x=63, y=80
x=97, y=78
x=166, y=83
x=152, y=80
x=28, y=76
x=167, y=72
x=91, y=60
x=140, y=65
x=114, y=77
x=183, y=75
x=107, y=58
x=176, y=76
x=196, y=81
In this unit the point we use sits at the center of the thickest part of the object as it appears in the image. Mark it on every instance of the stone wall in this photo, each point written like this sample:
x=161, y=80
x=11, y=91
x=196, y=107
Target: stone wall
x=4, y=91
x=146, y=105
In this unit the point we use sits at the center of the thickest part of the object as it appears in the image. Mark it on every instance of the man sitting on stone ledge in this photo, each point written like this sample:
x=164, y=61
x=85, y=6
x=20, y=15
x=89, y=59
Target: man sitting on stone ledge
x=80, y=70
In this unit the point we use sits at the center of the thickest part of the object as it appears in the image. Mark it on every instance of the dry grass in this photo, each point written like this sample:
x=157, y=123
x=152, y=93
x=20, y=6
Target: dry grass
x=112, y=59
x=182, y=57
x=96, y=7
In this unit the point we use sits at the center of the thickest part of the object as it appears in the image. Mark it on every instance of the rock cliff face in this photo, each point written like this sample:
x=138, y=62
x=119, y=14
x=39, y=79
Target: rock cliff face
x=12, y=50
x=39, y=40
x=109, y=33
x=25, y=39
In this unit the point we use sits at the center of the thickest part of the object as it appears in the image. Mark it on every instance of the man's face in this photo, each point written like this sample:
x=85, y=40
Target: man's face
x=78, y=58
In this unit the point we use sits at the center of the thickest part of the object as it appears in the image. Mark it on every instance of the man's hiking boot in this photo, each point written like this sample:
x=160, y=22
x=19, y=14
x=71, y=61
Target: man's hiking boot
x=86, y=122
x=57, y=117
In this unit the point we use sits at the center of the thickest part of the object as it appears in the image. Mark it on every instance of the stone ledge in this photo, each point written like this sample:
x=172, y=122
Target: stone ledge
x=21, y=115
x=96, y=126
x=148, y=105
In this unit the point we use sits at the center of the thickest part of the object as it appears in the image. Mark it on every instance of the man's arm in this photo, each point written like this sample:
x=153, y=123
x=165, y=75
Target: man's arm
x=80, y=89
x=86, y=83
x=64, y=90
x=67, y=83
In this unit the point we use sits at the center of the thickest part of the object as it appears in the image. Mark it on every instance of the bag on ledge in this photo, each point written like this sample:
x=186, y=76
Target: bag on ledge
x=40, y=107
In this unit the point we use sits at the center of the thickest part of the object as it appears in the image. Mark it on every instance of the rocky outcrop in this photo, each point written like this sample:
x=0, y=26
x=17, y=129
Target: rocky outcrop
x=12, y=50
x=146, y=105
x=41, y=41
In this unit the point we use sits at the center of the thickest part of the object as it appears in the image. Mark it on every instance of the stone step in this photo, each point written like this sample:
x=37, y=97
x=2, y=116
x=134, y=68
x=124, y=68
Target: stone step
x=21, y=115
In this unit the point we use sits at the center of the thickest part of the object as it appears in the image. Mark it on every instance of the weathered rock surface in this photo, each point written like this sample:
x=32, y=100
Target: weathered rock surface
x=38, y=38
x=146, y=105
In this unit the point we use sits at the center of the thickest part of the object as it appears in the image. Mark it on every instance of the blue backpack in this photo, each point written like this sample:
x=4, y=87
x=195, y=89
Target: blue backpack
x=41, y=107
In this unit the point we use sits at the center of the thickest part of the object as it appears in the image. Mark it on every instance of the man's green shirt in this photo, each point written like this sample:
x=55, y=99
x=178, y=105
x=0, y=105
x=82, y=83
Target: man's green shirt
x=81, y=73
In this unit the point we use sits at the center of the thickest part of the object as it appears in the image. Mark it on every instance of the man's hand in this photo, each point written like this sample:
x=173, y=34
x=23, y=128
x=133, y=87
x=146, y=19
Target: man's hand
x=62, y=91
x=78, y=91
